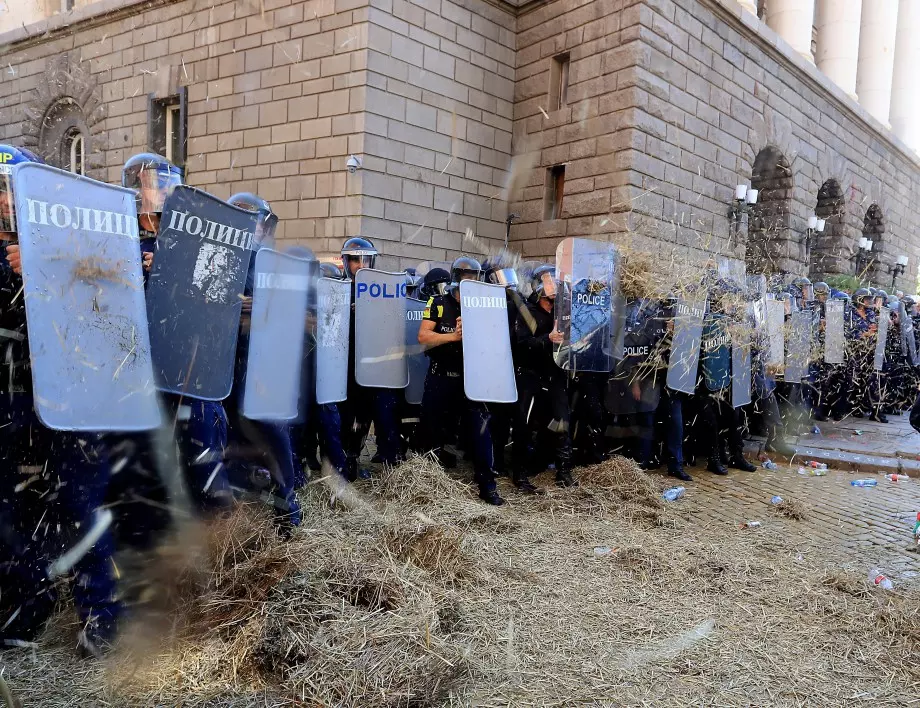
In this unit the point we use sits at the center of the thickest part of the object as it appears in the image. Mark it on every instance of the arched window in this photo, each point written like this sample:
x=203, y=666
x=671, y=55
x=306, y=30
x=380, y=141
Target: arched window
x=769, y=226
x=74, y=152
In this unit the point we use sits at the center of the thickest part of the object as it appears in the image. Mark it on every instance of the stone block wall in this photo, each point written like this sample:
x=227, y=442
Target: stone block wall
x=440, y=83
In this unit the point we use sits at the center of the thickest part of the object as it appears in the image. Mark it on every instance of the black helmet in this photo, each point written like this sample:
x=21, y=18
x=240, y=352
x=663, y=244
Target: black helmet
x=268, y=220
x=434, y=283
x=881, y=294
x=873, y=291
x=499, y=272
x=358, y=250
x=464, y=266
x=330, y=270
x=822, y=288
x=11, y=156
x=153, y=178
x=860, y=295
x=909, y=300
x=543, y=282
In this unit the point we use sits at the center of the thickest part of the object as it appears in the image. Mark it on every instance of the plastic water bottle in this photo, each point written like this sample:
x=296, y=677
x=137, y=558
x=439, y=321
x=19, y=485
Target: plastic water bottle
x=864, y=483
x=897, y=477
x=877, y=578
x=673, y=493
x=751, y=525
x=776, y=500
x=769, y=465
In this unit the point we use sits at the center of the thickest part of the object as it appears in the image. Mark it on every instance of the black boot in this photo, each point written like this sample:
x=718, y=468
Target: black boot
x=447, y=459
x=879, y=417
x=676, y=470
x=738, y=462
x=564, y=479
x=715, y=465
x=490, y=496
x=524, y=485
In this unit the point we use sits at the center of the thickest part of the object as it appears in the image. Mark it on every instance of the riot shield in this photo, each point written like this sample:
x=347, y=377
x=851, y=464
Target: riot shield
x=685, y=345
x=907, y=334
x=488, y=369
x=418, y=360
x=619, y=326
x=775, y=321
x=333, y=325
x=635, y=385
x=84, y=297
x=798, y=346
x=276, y=337
x=194, y=293
x=715, y=352
x=380, y=329
x=586, y=271
x=741, y=368
x=881, y=339
x=833, y=332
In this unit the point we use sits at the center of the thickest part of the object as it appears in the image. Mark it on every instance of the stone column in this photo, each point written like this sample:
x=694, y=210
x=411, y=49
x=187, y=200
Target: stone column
x=876, y=56
x=905, y=88
x=749, y=5
x=793, y=21
x=838, y=41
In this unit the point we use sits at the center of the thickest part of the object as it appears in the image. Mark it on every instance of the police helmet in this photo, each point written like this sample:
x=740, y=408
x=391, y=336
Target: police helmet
x=822, y=288
x=10, y=156
x=330, y=270
x=301, y=252
x=910, y=301
x=881, y=294
x=412, y=282
x=434, y=283
x=893, y=304
x=840, y=295
x=862, y=296
x=464, y=268
x=543, y=282
x=498, y=272
x=153, y=178
x=873, y=291
x=268, y=220
x=358, y=251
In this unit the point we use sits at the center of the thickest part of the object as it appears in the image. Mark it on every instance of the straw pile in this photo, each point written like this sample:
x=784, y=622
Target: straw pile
x=791, y=509
x=406, y=591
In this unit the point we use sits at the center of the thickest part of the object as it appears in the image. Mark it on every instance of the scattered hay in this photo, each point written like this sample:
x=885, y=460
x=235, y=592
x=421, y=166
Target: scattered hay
x=790, y=509
x=436, y=549
x=626, y=479
x=418, y=481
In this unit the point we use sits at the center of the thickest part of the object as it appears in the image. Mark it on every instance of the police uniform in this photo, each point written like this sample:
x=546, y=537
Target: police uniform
x=445, y=407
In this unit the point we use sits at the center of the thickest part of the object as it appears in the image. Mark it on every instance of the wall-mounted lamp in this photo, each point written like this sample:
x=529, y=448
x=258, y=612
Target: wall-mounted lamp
x=745, y=199
x=815, y=226
x=897, y=270
x=862, y=254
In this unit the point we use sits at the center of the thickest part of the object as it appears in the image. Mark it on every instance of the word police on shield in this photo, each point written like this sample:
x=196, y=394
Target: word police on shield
x=84, y=298
x=279, y=312
x=333, y=325
x=380, y=329
x=195, y=290
x=488, y=369
x=418, y=360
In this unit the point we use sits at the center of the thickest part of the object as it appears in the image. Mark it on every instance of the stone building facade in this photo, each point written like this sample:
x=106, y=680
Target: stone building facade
x=632, y=120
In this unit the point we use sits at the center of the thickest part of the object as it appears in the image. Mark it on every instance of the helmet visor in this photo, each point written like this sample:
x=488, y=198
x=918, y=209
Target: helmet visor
x=547, y=286
x=363, y=260
x=7, y=210
x=156, y=183
x=439, y=288
x=265, y=230
x=507, y=277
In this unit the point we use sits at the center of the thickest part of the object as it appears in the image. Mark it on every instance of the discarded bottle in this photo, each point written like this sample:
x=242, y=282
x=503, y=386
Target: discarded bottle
x=769, y=465
x=810, y=472
x=877, y=578
x=901, y=477
x=776, y=500
x=751, y=525
x=816, y=465
x=673, y=494
x=602, y=551
x=864, y=483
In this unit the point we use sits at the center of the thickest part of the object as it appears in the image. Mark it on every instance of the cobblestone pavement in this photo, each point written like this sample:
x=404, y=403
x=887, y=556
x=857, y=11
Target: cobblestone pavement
x=856, y=528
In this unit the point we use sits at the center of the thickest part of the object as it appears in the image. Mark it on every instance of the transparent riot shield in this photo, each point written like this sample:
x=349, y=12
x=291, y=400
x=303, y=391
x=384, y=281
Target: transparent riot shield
x=907, y=333
x=488, y=369
x=195, y=290
x=775, y=321
x=333, y=325
x=281, y=289
x=715, y=352
x=636, y=382
x=833, y=332
x=741, y=337
x=619, y=326
x=418, y=360
x=881, y=339
x=684, y=357
x=586, y=271
x=380, y=329
x=798, y=346
x=84, y=298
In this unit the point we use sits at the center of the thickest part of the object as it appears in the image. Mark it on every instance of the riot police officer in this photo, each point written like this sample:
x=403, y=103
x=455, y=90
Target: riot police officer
x=862, y=331
x=444, y=403
x=52, y=482
x=365, y=404
x=542, y=385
